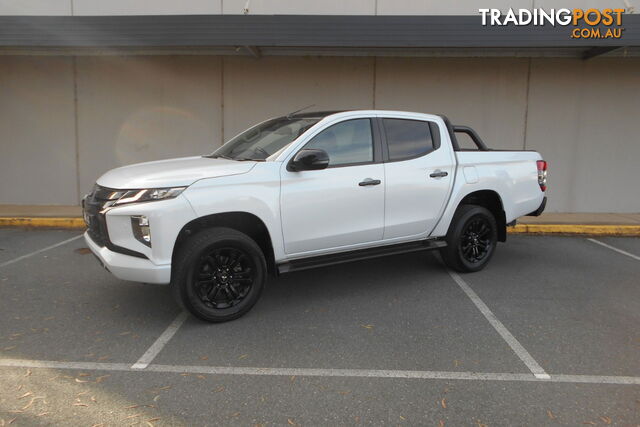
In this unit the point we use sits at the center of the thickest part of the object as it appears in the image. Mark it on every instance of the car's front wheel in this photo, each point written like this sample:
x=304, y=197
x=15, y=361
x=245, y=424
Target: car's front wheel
x=471, y=239
x=219, y=274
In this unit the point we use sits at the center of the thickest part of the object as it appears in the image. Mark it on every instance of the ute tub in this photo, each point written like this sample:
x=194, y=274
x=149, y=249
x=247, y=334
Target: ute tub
x=131, y=268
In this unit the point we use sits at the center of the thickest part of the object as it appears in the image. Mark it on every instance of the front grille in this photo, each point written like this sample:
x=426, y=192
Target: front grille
x=93, y=205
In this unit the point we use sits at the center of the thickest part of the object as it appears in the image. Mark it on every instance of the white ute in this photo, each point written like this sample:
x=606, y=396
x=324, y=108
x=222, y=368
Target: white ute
x=308, y=190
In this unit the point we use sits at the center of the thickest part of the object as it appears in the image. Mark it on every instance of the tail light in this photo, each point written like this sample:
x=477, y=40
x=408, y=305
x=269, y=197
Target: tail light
x=542, y=174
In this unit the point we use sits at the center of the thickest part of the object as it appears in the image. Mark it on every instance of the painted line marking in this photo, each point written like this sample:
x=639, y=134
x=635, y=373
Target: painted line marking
x=159, y=344
x=39, y=251
x=613, y=248
x=515, y=345
x=310, y=372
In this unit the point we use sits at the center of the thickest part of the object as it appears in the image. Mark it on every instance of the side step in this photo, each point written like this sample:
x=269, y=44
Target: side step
x=342, y=257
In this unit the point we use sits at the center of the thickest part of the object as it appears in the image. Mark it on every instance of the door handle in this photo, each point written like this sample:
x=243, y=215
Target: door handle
x=369, y=181
x=439, y=174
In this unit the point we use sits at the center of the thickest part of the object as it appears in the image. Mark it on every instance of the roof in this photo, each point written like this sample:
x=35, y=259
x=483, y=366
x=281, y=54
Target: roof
x=372, y=113
x=314, y=114
x=324, y=31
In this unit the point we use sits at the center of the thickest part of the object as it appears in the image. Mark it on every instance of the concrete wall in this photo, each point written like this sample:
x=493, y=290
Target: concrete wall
x=487, y=94
x=325, y=7
x=583, y=116
x=256, y=89
x=135, y=109
x=65, y=121
x=37, y=131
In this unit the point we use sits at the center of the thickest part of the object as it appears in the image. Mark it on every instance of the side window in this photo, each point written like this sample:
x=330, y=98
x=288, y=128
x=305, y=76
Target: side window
x=347, y=142
x=407, y=139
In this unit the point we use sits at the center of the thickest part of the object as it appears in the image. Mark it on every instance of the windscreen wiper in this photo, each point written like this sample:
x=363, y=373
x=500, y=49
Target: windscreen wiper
x=247, y=159
x=238, y=159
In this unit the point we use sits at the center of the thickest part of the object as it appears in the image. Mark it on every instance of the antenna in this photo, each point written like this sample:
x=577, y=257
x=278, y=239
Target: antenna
x=297, y=111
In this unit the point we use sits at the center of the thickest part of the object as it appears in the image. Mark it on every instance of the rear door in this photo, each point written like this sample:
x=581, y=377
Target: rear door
x=342, y=205
x=418, y=176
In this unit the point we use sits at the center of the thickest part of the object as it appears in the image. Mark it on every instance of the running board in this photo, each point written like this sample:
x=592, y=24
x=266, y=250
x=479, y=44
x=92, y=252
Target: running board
x=342, y=257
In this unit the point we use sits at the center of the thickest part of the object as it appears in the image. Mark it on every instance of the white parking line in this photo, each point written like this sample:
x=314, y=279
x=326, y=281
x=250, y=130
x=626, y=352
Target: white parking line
x=20, y=258
x=309, y=372
x=159, y=344
x=515, y=345
x=613, y=248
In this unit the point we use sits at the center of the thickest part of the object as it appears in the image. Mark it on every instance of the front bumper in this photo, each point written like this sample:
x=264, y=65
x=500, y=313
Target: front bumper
x=112, y=239
x=127, y=267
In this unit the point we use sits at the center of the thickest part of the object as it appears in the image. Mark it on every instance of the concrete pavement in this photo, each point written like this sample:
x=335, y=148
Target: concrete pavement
x=387, y=341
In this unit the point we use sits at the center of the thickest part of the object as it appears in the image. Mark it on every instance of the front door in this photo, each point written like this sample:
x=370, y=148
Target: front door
x=342, y=205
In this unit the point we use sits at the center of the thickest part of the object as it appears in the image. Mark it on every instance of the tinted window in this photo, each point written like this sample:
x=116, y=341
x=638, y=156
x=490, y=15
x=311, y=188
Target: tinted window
x=265, y=139
x=407, y=138
x=346, y=142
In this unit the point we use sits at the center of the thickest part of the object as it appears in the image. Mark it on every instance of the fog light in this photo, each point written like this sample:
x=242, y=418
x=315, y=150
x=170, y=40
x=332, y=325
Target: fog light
x=141, y=231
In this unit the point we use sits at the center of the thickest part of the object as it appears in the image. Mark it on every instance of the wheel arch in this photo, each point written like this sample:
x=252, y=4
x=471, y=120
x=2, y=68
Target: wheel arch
x=244, y=222
x=492, y=201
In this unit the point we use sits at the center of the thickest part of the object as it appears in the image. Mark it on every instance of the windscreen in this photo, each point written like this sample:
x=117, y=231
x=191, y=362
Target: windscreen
x=265, y=139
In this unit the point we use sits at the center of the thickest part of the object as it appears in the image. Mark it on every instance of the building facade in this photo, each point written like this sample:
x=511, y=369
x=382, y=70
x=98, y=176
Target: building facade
x=74, y=104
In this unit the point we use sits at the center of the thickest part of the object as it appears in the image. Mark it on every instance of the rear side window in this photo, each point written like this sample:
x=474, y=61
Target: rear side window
x=407, y=139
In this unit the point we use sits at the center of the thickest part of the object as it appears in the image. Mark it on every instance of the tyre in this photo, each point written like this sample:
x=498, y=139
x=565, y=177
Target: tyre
x=471, y=239
x=219, y=274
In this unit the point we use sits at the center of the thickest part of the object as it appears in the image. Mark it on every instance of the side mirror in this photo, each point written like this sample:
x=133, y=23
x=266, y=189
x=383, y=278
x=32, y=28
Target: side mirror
x=309, y=159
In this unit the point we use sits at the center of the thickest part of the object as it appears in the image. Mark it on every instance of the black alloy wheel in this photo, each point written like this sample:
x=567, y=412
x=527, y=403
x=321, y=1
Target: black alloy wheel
x=475, y=243
x=225, y=277
x=219, y=274
x=471, y=240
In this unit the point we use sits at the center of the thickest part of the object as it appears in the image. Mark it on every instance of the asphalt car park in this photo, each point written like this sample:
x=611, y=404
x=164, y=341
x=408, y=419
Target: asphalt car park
x=548, y=333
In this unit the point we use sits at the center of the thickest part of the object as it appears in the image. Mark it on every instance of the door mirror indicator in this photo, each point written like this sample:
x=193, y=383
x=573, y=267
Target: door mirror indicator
x=309, y=159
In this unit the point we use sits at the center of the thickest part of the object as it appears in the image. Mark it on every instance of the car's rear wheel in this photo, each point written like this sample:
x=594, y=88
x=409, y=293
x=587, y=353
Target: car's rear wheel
x=219, y=274
x=471, y=239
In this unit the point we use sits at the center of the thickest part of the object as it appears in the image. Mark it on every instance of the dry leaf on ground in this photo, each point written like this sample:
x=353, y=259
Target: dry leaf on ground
x=33, y=399
x=101, y=378
x=132, y=416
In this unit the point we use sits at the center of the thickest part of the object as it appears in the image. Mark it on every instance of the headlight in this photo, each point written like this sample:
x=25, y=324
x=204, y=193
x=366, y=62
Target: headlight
x=123, y=197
